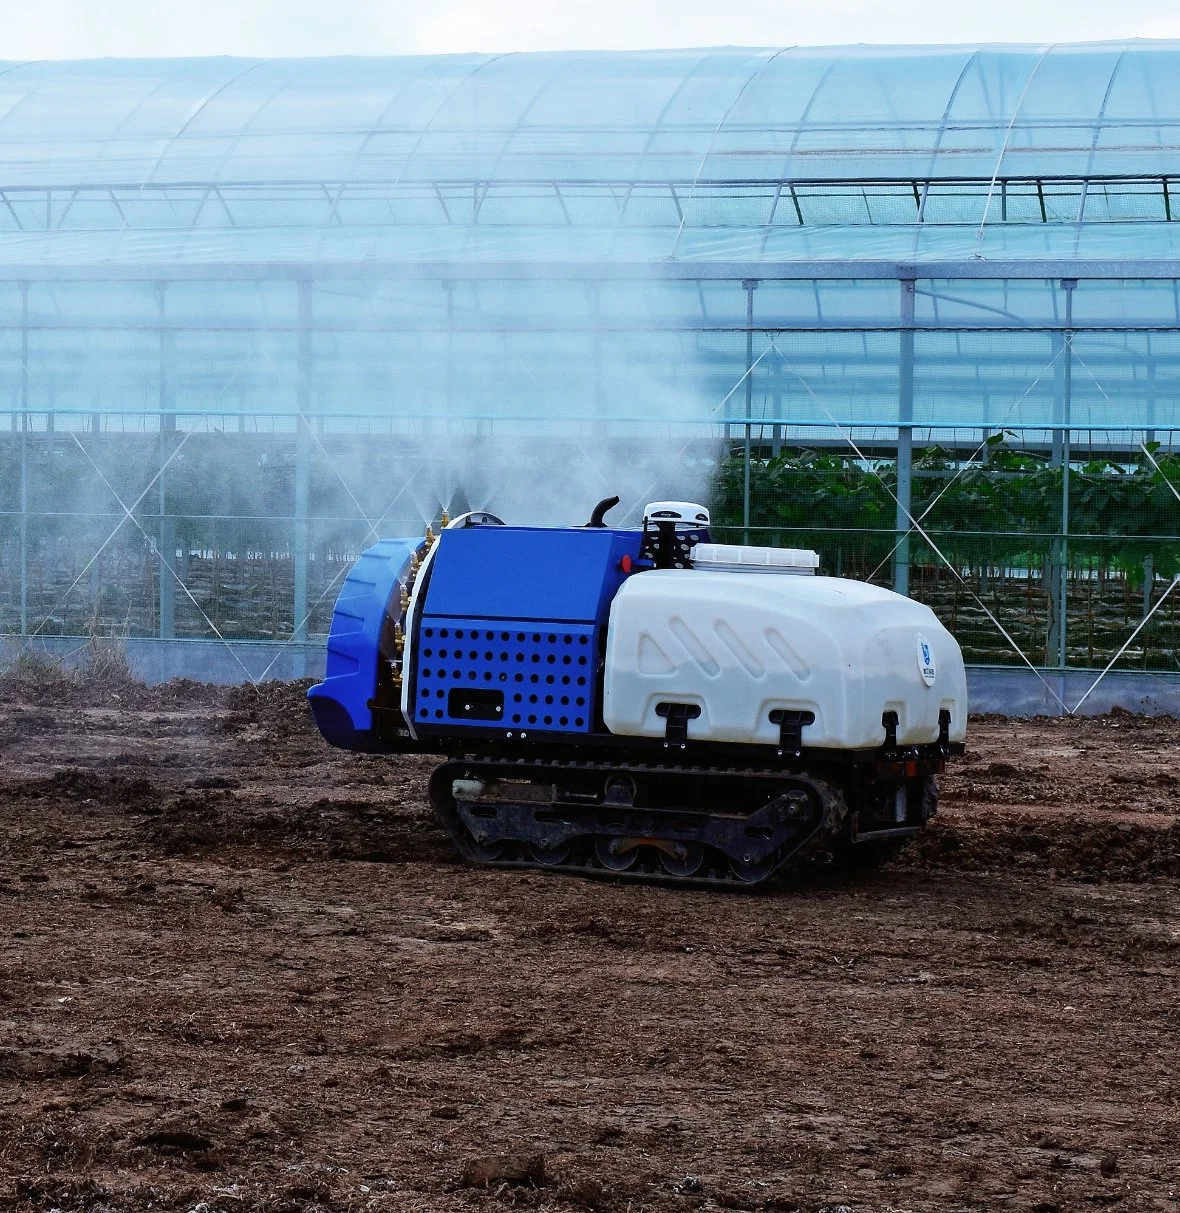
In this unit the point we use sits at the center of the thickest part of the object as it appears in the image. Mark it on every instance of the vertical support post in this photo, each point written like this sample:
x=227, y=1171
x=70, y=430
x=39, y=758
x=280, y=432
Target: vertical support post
x=450, y=438
x=1148, y=439
x=449, y=370
x=166, y=536
x=905, y=439
x=301, y=545
x=1149, y=433
x=750, y=285
x=599, y=387
x=776, y=373
x=1052, y=576
x=1062, y=587
x=24, y=458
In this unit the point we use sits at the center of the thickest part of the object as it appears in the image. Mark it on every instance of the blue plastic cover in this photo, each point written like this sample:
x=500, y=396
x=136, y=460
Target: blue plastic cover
x=340, y=704
x=522, y=573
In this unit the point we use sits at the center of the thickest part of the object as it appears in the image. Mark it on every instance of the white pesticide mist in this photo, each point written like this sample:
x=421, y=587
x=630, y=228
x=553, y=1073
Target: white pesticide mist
x=404, y=420
x=557, y=479
x=563, y=489
x=538, y=425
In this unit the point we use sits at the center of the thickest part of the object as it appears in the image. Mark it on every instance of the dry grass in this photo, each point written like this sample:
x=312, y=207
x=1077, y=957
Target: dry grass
x=35, y=667
x=106, y=660
x=103, y=661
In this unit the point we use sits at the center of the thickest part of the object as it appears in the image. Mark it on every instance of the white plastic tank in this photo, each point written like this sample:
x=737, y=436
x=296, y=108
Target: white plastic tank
x=740, y=646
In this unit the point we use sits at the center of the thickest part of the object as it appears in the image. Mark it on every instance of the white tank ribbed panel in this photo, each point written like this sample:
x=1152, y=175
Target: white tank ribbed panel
x=743, y=558
x=740, y=647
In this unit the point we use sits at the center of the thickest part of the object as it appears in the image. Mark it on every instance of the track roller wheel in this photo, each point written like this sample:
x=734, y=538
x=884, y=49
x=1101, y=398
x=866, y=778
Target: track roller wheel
x=486, y=852
x=616, y=854
x=688, y=860
x=550, y=857
x=751, y=871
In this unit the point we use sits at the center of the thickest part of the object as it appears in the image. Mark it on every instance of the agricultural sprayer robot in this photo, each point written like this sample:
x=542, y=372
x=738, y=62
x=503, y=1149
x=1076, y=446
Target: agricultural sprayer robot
x=644, y=702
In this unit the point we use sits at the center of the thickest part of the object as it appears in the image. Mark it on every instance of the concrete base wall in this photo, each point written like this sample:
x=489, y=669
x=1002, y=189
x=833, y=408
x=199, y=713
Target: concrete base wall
x=1007, y=691
x=212, y=661
x=1020, y=692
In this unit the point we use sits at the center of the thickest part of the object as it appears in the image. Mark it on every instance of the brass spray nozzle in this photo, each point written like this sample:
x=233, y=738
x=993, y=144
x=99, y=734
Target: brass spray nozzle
x=429, y=535
x=415, y=563
x=399, y=640
x=446, y=521
x=405, y=598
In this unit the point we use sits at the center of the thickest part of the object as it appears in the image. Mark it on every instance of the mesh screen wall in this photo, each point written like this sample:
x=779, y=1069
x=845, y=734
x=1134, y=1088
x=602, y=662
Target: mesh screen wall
x=917, y=308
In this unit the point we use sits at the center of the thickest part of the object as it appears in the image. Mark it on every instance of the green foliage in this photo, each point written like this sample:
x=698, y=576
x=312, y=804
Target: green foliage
x=1005, y=507
x=822, y=499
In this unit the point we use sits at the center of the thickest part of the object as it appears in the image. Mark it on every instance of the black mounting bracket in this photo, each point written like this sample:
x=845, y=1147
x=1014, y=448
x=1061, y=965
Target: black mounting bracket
x=677, y=716
x=889, y=720
x=790, y=729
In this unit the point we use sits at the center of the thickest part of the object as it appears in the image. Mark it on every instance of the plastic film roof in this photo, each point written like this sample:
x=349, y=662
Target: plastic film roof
x=790, y=153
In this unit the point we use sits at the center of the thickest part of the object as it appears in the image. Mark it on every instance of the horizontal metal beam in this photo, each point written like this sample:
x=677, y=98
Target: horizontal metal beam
x=585, y=327
x=1007, y=269
x=572, y=426
x=311, y=189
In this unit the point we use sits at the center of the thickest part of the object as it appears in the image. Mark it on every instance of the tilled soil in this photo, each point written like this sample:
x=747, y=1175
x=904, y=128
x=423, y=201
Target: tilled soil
x=241, y=971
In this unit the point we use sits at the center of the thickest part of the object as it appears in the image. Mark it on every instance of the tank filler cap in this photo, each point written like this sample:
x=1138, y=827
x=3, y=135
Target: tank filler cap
x=687, y=512
x=736, y=558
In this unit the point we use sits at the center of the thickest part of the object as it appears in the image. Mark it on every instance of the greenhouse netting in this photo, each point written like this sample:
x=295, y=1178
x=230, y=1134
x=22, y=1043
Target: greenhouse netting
x=918, y=308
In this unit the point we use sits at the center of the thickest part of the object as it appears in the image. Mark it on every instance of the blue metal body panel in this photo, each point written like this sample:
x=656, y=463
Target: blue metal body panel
x=516, y=614
x=542, y=674
x=509, y=635
x=522, y=573
x=340, y=704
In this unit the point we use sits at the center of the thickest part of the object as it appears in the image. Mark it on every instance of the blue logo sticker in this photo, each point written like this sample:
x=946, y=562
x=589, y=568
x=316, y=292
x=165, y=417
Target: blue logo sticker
x=926, y=661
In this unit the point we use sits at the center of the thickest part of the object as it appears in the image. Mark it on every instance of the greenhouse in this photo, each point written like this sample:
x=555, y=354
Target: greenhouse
x=917, y=308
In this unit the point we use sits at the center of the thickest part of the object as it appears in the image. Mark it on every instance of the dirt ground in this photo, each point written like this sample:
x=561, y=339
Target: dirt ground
x=241, y=971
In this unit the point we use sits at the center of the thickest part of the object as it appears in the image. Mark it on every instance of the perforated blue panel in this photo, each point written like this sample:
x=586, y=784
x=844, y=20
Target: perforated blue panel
x=545, y=674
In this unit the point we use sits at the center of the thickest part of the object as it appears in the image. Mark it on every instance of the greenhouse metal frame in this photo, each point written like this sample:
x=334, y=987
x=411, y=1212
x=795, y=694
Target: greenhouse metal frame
x=253, y=313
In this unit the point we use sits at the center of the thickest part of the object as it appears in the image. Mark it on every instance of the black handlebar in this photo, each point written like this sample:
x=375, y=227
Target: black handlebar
x=597, y=518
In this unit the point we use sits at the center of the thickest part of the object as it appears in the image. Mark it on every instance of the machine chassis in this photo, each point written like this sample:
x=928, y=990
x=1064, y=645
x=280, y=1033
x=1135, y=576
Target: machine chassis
x=546, y=802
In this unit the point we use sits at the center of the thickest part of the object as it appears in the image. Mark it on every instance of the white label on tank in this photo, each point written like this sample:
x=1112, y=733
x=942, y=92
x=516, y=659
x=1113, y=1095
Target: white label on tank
x=925, y=661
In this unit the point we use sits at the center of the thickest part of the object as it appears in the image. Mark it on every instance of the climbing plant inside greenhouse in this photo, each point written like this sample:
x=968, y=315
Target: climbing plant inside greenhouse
x=989, y=535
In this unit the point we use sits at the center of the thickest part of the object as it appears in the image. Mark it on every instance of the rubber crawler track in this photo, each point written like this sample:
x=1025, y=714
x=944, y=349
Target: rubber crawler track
x=717, y=871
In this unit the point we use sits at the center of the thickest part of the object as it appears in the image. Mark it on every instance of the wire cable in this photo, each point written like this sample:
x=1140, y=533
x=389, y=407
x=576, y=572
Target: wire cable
x=110, y=538
x=847, y=435
x=1127, y=643
x=167, y=564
